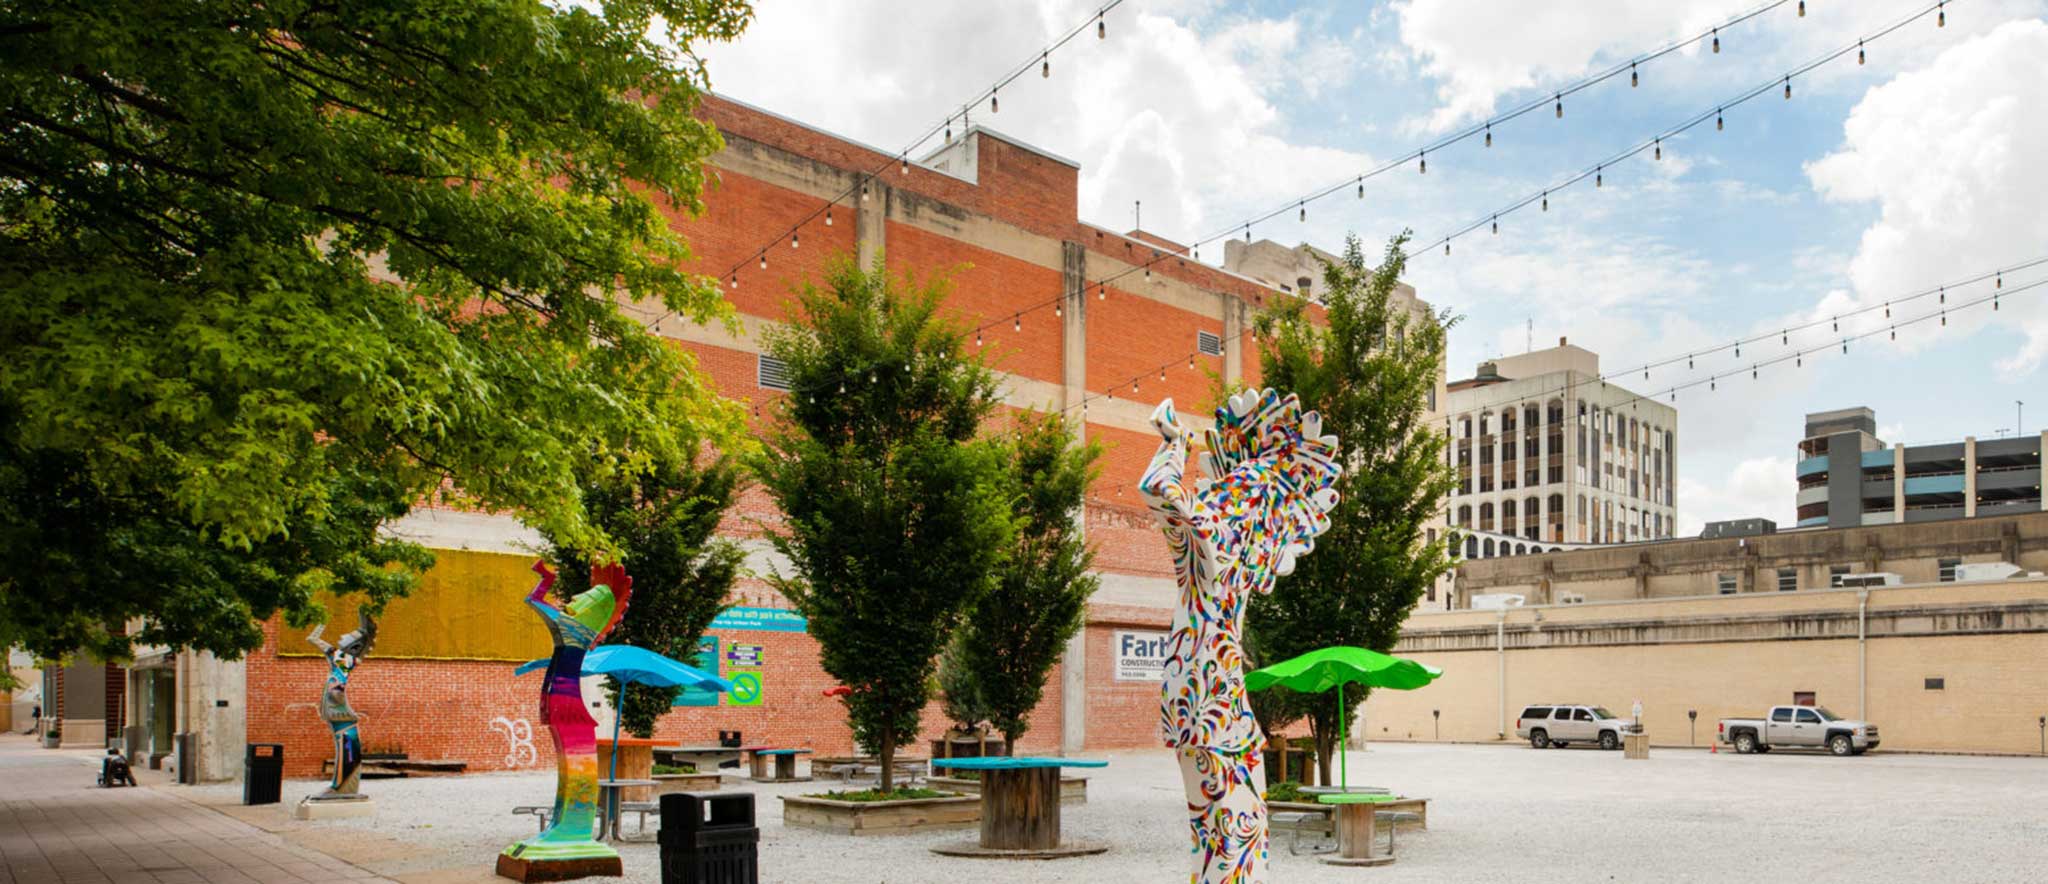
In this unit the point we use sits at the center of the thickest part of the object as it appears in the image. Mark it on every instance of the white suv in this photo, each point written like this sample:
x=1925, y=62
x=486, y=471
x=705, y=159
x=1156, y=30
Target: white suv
x=1548, y=725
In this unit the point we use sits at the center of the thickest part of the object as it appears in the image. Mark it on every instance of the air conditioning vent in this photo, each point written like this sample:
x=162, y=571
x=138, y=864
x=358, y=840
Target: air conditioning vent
x=1208, y=344
x=771, y=373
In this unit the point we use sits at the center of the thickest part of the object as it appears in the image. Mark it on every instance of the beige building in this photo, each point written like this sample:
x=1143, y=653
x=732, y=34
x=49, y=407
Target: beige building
x=1549, y=451
x=1790, y=561
x=1941, y=667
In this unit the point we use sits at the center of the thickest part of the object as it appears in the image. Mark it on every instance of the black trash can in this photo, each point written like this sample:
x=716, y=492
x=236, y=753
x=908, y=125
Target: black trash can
x=709, y=839
x=263, y=773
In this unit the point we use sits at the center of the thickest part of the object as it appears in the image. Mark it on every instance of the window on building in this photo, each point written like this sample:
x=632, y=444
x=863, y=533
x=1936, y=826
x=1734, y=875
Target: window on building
x=1836, y=573
x=771, y=373
x=1788, y=579
x=1471, y=547
x=1725, y=583
x=1936, y=684
x=1948, y=569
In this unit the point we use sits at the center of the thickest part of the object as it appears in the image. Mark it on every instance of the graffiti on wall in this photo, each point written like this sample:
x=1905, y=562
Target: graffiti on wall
x=519, y=737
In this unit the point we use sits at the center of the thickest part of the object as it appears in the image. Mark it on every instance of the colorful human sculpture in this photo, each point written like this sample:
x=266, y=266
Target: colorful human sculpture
x=342, y=659
x=1267, y=496
x=569, y=841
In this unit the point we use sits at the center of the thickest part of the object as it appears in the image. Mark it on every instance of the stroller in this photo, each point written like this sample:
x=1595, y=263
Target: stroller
x=114, y=770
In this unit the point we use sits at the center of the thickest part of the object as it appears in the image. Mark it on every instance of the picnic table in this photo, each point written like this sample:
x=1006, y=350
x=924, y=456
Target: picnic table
x=705, y=757
x=1357, y=813
x=1020, y=808
x=785, y=764
x=609, y=801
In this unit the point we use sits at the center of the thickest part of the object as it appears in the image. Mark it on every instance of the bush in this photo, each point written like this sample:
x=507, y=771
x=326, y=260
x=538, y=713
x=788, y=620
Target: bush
x=866, y=795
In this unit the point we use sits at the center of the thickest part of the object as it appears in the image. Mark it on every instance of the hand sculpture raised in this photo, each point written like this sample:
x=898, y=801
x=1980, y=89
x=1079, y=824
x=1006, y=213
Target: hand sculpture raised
x=1268, y=494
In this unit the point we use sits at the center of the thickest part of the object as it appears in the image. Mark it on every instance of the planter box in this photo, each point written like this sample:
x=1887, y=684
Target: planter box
x=1073, y=790
x=881, y=817
x=684, y=782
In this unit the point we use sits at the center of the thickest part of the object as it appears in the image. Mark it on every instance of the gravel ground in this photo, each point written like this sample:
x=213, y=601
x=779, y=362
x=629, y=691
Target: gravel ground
x=1497, y=813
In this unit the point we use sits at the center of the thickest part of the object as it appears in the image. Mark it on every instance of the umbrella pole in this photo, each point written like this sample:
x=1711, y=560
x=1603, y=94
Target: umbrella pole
x=1343, y=763
x=618, y=701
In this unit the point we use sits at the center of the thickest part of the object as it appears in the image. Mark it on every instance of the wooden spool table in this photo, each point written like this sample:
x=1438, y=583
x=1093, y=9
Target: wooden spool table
x=1020, y=808
x=1356, y=818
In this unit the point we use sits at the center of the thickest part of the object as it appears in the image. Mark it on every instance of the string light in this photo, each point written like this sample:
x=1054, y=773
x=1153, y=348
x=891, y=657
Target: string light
x=1447, y=246
x=906, y=163
x=1633, y=82
x=1597, y=175
x=995, y=104
x=735, y=280
x=764, y=260
x=1944, y=294
x=1101, y=28
x=1718, y=124
x=1423, y=163
x=1802, y=8
x=1017, y=322
x=1546, y=201
x=1941, y=15
x=1944, y=319
x=1102, y=292
x=828, y=216
x=1191, y=362
x=1788, y=88
x=1660, y=147
x=863, y=190
x=1887, y=309
x=1560, y=105
x=1717, y=41
x=1361, y=187
x=977, y=337
x=1738, y=349
x=1489, y=134
x=794, y=239
x=1859, y=52
x=1303, y=217
x=1045, y=64
x=1496, y=225
x=1785, y=336
x=1895, y=333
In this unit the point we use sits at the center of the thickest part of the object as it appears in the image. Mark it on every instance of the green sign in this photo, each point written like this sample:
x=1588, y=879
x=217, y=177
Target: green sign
x=746, y=687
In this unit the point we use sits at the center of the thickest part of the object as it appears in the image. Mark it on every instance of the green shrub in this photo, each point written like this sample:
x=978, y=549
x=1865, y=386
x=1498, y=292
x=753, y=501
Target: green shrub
x=904, y=794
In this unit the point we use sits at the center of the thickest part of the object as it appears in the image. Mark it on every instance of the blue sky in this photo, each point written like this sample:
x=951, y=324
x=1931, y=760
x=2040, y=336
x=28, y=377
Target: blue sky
x=1923, y=166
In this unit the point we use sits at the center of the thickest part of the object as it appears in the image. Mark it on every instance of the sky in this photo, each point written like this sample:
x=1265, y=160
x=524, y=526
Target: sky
x=1926, y=165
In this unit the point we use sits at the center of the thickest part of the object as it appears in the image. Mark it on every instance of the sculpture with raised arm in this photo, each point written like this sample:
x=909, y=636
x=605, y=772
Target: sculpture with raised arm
x=342, y=659
x=567, y=848
x=1268, y=494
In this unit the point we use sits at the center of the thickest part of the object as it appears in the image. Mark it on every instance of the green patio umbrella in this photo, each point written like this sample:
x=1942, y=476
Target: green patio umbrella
x=1318, y=671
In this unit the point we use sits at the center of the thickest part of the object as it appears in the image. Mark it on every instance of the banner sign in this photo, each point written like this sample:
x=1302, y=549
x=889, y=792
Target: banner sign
x=743, y=655
x=760, y=620
x=1138, y=656
x=706, y=661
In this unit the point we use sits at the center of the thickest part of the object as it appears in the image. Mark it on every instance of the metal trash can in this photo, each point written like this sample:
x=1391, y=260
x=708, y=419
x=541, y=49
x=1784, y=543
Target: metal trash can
x=709, y=839
x=263, y=773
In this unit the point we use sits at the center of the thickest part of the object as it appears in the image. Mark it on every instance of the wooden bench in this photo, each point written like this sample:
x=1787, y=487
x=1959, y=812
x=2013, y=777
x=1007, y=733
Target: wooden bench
x=1318, y=819
x=785, y=764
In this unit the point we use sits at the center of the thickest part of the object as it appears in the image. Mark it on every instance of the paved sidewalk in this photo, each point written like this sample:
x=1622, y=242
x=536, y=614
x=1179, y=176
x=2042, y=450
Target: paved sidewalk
x=56, y=827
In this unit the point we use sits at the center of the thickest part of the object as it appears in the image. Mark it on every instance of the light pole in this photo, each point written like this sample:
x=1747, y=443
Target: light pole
x=1693, y=733
x=2044, y=735
x=1438, y=723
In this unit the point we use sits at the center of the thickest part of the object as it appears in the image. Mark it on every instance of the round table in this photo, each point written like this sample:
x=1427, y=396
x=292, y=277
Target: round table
x=1356, y=816
x=1020, y=808
x=608, y=799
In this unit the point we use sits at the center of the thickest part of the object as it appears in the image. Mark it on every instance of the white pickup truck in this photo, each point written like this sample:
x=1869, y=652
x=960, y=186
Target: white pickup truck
x=1798, y=727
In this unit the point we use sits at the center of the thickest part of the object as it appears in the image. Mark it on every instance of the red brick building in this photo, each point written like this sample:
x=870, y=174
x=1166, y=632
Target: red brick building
x=999, y=219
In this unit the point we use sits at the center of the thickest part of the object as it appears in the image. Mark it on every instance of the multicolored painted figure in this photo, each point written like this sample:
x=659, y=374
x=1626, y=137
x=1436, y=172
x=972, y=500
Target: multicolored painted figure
x=342, y=659
x=591, y=614
x=1267, y=496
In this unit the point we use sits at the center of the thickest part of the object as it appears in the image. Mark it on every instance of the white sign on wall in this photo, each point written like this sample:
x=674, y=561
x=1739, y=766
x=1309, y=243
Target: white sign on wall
x=1138, y=656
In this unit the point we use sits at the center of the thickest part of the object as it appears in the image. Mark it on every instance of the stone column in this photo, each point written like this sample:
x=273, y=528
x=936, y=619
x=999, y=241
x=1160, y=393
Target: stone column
x=870, y=222
x=1074, y=386
x=1899, y=484
x=1969, y=476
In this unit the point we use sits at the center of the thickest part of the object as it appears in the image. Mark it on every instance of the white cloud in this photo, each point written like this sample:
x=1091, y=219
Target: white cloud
x=1177, y=98
x=1951, y=155
x=1759, y=486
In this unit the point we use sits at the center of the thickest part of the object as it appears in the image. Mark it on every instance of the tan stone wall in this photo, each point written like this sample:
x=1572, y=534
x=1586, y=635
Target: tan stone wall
x=1727, y=656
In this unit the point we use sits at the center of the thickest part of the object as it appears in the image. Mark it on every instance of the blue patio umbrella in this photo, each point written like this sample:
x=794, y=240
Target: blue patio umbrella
x=631, y=665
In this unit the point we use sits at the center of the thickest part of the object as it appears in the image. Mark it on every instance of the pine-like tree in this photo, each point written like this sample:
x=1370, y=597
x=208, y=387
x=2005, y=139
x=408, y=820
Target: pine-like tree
x=1018, y=631
x=894, y=515
x=1368, y=367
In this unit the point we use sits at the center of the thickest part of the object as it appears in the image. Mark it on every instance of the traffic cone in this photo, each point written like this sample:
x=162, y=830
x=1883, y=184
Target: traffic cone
x=1714, y=748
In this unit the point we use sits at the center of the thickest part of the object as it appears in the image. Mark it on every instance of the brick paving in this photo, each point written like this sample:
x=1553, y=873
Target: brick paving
x=56, y=827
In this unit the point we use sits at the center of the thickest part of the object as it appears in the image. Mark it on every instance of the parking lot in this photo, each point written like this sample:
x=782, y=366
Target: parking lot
x=1497, y=813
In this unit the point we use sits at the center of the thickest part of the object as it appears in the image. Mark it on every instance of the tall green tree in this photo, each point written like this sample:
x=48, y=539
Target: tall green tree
x=1368, y=367
x=273, y=270
x=662, y=521
x=894, y=514
x=1019, y=629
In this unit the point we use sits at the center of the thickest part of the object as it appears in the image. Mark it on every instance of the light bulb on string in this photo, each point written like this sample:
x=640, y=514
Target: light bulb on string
x=1784, y=336
x=1496, y=225
x=1546, y=201
x=949, y=130
x=735, y=280
x=1361, y=187
x=1447, y=246
x=1304, y=212
x=1788, y=88
x=1017, y=323
x=1944, y=319
x=1712, y=384
x=1134, y=386
x=1944, y=294
x=1838, y=323
x=2001, y=280
x=1191, y=362
x=1895, y=333
x=1560, y=105
x=1162, y=375
x=828, y=216
x=764, y=260
x=1632, y=81
x=1659, y=148
x=1719, y=124
x=1752, y=372
x=1045, y=64
x=1101, y=28
x=1056, y=311
x=1887, y=309
x=905, y=167
x=1598, y=175
x=1688, y=362
x=995, y=104
x=1802, y=8
x=863, y=190
x=977, y=337
x=1247, y=232
x=795, y=239
x=1941, y=15
x=1717, y=41
x=1489, y=134
x=1799, y=361
x=1422, y=162
x=1102, y=292
x=1859, y=52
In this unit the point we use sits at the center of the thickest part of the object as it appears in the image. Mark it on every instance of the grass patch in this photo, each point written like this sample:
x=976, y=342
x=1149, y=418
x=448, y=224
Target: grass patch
x=661, y=769
x=1284, y=791
x=866, y=795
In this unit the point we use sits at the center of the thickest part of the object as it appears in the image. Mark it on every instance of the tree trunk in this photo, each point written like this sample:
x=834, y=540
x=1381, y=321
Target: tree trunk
x=1326, y=741
x=888, y=781
x=1009, y=743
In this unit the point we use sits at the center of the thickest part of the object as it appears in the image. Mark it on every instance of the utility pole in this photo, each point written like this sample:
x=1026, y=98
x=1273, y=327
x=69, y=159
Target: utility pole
x=1137, y=215
x=2019, y=418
